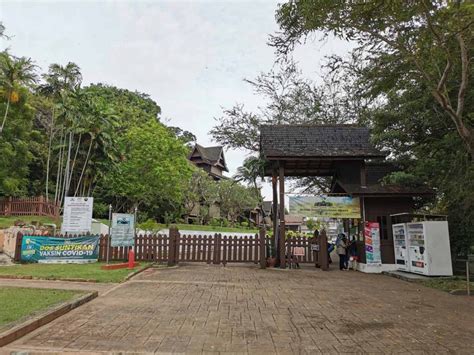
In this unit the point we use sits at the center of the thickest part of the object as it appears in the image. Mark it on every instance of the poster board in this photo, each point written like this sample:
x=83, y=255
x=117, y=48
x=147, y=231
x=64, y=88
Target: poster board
x=372, y=243
x=122, y=230
x=324, y=206
x=43, y=249
x=77, y=216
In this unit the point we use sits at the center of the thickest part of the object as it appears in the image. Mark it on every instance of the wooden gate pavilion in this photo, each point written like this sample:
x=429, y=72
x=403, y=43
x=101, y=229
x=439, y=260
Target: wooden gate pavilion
x=345, y=153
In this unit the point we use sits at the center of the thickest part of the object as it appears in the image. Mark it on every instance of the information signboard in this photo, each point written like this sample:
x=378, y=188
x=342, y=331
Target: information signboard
x=372, y=243
x=324, y=206
x=43, y=249
x=122, y=229
x=77, y=216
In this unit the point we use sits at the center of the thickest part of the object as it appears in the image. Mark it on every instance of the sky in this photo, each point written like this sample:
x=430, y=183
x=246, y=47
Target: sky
x=190, y=56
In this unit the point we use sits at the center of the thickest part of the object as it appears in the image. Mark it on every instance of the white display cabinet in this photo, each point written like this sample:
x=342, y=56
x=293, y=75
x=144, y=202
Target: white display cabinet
x=429, y=251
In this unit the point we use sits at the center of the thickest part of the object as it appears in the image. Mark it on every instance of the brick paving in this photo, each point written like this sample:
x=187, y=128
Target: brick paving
x=241, y=309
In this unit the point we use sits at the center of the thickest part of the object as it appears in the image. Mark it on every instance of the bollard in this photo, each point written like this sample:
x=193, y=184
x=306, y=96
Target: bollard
x=131, y=259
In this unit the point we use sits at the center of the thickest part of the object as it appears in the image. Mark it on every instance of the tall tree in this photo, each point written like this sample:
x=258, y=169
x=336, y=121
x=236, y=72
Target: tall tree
x=14, y=73
x=426, y=40
x=61, y=82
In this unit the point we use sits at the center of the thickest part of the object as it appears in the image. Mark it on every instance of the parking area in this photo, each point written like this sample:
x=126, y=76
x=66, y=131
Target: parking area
x=198, y=308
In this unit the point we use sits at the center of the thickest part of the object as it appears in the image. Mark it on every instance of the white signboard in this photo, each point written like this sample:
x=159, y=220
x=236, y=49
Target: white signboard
x=77, y=216
x=122, y=230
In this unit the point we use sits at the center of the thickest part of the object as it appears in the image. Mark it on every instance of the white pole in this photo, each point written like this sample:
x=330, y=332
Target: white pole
x=109, y=239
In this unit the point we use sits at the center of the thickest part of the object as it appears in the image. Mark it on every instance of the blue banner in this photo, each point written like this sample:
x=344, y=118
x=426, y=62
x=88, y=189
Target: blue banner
x=45, y=249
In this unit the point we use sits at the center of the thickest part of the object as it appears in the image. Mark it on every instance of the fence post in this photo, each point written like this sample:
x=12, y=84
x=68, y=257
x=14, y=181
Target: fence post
x=216, y=258
x=263, y=258
x=8, y=206
x=323, y=251
x=173, y=235
x=18, y=242
x=40, y=205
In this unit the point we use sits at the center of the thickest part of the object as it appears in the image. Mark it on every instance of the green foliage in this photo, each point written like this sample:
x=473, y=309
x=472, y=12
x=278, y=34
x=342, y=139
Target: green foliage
x=234, y=199
x=245, y=224
x=411, y=75
x=15, y=141
x=154, y=168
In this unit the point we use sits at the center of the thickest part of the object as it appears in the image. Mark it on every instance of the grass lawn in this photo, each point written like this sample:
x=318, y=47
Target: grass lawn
x=90, y=271
x=6, y=222
x=448, y=284
x=17, y=303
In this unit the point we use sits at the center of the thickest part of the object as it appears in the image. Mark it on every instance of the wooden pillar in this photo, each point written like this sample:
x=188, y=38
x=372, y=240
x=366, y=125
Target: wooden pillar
x=262, y=246
x=363, y=175
x=282, y=217
x=275, y=215
x=323, y=251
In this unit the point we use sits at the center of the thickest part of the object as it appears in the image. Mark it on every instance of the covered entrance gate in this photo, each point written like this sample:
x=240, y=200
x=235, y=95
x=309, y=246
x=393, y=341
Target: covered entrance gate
x=343, y=153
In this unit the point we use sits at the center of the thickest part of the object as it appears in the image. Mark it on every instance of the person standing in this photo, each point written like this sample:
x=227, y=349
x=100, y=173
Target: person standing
x=341, y=249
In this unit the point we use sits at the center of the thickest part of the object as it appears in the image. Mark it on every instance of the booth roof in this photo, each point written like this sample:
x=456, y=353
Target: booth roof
x=316, y=141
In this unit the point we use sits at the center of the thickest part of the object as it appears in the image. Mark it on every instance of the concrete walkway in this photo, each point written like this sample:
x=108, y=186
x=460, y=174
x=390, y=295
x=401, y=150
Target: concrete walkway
x=63, y=285
x=242, y=309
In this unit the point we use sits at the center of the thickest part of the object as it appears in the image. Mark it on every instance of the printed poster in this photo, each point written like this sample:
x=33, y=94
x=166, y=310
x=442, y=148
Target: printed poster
x=372, y=243
x=59, y=250
x=77, y=216
x=122, y=230
x=324, y=206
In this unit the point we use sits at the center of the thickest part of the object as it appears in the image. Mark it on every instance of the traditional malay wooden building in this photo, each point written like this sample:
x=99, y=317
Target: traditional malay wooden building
x=344, y=153
x=210, y=159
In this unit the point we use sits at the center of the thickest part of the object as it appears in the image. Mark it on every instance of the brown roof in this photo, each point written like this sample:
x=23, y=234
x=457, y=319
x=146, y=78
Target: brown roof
x=293, y=219
x=316, y=141
x=379, y=189
x=210, y=155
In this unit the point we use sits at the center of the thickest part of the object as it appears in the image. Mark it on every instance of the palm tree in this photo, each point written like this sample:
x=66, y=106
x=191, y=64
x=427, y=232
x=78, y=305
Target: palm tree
x=60, y=83
x=13, y=73
x=251, y=170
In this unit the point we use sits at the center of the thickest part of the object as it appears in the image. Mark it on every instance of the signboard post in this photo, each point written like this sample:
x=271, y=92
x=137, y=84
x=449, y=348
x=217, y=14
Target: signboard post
x=372, y=243
x=109, y=239
x=123, y=229
x=77, y=216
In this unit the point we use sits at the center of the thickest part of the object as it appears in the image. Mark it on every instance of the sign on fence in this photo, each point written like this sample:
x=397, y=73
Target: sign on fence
x=77, y=216
x=122, y=230
x=298, y=251
x=59, y=250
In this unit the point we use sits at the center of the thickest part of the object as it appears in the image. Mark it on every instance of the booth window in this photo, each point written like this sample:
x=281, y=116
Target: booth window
x=382, y=220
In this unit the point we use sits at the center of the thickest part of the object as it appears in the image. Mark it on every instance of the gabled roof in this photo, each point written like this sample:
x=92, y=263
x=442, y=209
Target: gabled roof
x=210, y=155
x=316, y=141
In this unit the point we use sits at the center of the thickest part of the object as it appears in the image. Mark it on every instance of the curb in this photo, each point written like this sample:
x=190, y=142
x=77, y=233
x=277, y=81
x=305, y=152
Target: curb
x=136, y=272
x=26, y=277
x=30, y=325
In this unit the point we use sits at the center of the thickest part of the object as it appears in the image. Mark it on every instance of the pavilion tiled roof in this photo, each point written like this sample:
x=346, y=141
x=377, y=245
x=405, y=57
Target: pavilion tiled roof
x=379, y=189
x=316, y=141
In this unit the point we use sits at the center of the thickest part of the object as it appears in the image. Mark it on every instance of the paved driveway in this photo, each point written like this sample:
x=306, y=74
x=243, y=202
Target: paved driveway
x=200, y=308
